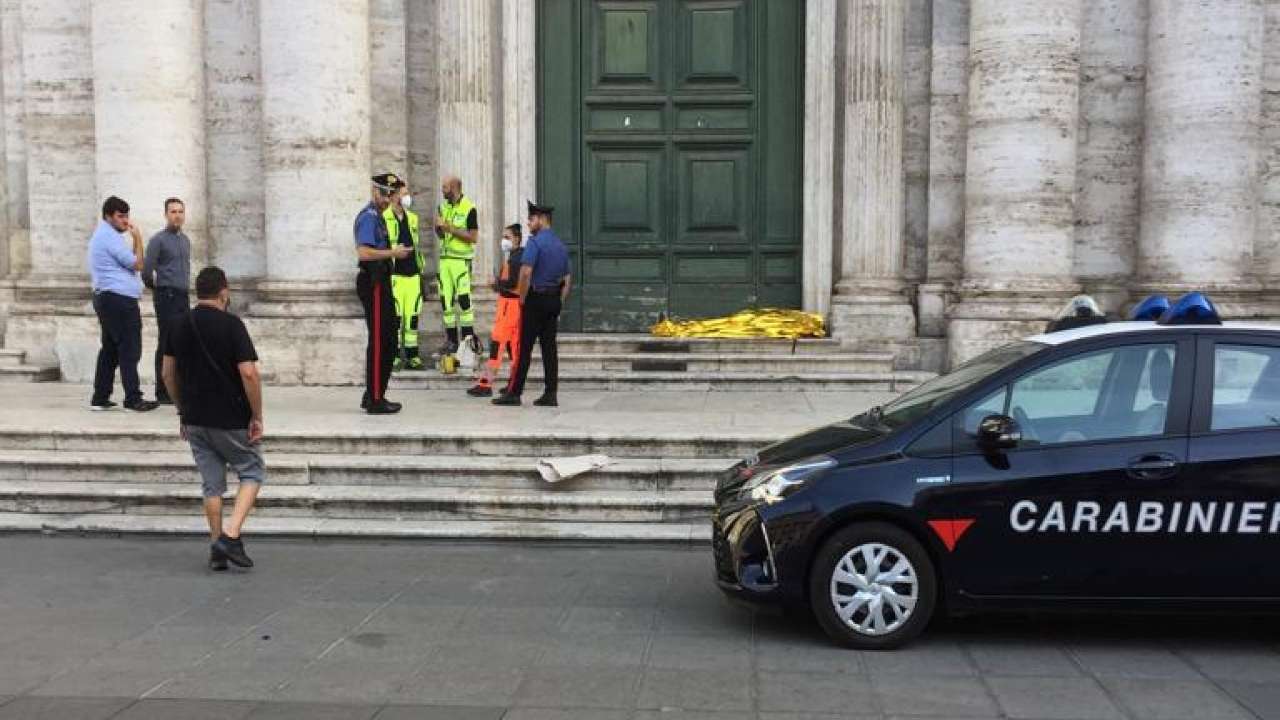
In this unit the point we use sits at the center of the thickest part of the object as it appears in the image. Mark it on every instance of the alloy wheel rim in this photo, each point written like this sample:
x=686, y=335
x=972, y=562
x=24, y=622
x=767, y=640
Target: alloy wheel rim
x=874, y=589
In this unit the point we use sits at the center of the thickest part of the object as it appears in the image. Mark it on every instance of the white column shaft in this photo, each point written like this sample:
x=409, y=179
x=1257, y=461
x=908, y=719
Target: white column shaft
x=916, y=99
x=519, y=108
x=1021, y=166
x=1109, y=172
x=948, y=125
x=233, y=137
x=315, y=102
x=15, y=147
x=1267, y=245
x=389, y=114
x=468, y=113
x=1201, y=165
x=874, y=190
x=57, y=60
x=819, y=153
x=149, y=110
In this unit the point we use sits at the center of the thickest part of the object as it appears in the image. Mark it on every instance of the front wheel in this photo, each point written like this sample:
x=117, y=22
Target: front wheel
x=873, y=586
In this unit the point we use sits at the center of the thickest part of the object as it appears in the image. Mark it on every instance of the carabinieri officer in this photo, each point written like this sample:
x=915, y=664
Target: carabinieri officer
x=373, y=284
x=543, y=289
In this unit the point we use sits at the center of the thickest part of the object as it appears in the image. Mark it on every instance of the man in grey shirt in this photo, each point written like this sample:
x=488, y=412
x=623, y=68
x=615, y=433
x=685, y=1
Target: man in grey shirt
x=167, y=271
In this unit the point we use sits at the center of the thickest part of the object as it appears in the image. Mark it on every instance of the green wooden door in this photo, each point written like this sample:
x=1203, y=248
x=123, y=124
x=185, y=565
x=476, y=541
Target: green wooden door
x=669, y=141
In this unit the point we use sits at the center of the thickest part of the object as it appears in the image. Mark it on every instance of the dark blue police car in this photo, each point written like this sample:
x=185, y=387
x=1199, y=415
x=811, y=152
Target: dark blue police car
x=1107, y=465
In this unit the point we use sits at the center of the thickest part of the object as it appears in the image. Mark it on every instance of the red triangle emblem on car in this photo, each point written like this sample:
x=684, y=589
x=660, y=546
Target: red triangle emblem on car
x=950, y=531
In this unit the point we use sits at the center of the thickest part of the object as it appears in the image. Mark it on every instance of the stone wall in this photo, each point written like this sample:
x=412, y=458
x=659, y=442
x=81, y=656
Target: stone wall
x=969, y=164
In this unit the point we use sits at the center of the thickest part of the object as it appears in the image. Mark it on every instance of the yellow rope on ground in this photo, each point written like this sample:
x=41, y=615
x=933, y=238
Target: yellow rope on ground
x=762, y=323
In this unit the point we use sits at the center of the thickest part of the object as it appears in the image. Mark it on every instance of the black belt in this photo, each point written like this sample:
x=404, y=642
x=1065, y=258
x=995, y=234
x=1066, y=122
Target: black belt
x=541, y=291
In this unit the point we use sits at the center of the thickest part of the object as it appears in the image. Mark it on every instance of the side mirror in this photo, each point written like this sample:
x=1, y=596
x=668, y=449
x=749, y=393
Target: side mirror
x=998, y=432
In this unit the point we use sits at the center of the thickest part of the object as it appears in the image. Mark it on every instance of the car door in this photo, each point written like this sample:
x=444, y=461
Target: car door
x=1062, y=513
x=1233, y=477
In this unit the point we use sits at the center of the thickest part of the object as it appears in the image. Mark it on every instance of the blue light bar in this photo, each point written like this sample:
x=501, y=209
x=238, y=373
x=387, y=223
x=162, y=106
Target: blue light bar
x=1194, y=308
x=1151, y=308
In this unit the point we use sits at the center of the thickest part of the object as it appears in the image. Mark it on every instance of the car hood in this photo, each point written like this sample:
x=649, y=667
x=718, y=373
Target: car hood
x=824, y=440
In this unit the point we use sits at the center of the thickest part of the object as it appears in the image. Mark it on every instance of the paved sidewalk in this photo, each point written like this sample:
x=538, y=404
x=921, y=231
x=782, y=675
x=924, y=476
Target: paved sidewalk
x=64, y=407
x=137, y=629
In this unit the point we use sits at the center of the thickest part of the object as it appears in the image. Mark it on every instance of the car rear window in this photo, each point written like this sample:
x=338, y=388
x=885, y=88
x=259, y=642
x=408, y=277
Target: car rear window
x=1246, y=387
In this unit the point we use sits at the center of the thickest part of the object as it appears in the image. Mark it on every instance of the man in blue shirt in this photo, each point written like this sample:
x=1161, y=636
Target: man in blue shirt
x=375, y=256
x=544, y=287
x=113, y=269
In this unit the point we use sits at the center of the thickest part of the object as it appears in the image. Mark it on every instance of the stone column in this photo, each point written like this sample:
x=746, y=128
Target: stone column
x=315, y=106
x=915, y=232
x=423, y=91
x=519, y=107
x=148, y=84
x=57, y=60
x=1200, y=180
x=819, y=153
x=1113, y=46
x=1267, y=244
x=15, y=148
x=869, y=302
x=948, y=127
x=233, y=139
x=390, y=104
x=467, y=141
x=1021, y=170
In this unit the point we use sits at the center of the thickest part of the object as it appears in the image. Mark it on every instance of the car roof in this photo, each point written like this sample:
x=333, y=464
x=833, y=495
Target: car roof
x=1123, y=328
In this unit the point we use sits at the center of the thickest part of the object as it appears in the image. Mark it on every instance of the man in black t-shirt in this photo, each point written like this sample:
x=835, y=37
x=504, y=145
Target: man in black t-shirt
x=211, y=371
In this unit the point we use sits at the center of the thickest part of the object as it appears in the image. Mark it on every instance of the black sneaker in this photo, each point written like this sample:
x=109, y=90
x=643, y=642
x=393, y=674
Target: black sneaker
x=100, y=405
x=217, y=561
x=507, y=400
x=546, y=401
x=480, y=391
x=384, y=407
x=141, y=405
x=233, y=550
x=364, y=403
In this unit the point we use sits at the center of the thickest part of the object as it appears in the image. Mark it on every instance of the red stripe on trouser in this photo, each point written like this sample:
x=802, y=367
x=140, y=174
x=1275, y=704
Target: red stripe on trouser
x=376, y=370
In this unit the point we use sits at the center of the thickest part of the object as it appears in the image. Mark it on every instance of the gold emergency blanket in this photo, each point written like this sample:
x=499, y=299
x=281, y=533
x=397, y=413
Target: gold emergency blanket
x=763, y=323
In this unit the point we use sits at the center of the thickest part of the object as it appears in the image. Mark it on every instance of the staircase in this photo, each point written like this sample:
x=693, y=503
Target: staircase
x=13, y=368
x=382, y=484
x=630, y=362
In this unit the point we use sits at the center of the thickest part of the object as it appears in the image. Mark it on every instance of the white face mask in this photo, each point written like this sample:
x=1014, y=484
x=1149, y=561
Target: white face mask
x=406, y=201
x=507, y=245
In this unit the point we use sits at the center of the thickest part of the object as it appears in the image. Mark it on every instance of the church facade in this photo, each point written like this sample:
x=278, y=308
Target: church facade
x=935, y=177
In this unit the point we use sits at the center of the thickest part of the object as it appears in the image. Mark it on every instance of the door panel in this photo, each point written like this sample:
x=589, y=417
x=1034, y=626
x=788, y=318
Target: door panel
x=669, y=123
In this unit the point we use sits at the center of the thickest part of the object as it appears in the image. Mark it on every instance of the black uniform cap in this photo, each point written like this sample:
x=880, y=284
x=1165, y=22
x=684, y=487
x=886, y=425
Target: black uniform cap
x=387, y=181
x=536, y=209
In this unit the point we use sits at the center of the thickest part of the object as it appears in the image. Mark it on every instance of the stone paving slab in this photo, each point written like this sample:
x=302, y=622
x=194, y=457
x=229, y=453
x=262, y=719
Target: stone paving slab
x=136, y=628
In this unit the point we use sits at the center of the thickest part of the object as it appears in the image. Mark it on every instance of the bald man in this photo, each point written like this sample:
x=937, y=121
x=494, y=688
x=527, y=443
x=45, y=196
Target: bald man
x=458, y=228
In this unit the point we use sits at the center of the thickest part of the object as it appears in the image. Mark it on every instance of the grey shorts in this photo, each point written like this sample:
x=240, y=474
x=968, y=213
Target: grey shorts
x=215, y=449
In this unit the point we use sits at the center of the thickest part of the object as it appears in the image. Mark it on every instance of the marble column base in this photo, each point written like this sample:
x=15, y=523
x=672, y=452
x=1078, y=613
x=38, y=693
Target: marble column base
x=308, y=299
x=989, y=316
x=932, y=301
x=871, y=314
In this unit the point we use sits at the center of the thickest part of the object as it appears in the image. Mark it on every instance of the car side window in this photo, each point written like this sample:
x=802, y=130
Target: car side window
x=1246, y=387
x=1105, y=395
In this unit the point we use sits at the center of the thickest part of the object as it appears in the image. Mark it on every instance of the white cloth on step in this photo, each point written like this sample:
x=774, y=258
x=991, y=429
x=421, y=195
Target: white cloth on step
x=554, y=470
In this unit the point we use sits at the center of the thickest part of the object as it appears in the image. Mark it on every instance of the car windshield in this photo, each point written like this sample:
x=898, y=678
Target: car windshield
x=924, y=398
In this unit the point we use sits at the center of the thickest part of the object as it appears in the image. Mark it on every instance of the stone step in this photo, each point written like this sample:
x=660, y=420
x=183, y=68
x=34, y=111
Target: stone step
x=365, y=502
x=434, y=471
x=29, y=374
x=394, y=442
x=191, y=523
x=704, y=362
x=11, y=358
x=638, y=343
x=630, y=380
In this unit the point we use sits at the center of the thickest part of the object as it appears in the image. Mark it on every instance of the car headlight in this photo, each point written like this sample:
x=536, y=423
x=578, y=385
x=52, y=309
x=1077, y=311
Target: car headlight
x=772, y=486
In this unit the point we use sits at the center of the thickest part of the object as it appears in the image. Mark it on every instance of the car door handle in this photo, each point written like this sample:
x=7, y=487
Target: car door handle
x=1153, y=467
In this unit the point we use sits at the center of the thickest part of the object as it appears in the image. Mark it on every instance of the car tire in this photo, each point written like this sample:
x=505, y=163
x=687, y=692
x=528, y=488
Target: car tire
x=879, y=610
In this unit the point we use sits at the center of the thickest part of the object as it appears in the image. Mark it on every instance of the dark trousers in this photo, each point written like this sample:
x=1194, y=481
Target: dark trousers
x=121, y=323
x=380, y=319
x=539, y=320
x=168, y=303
